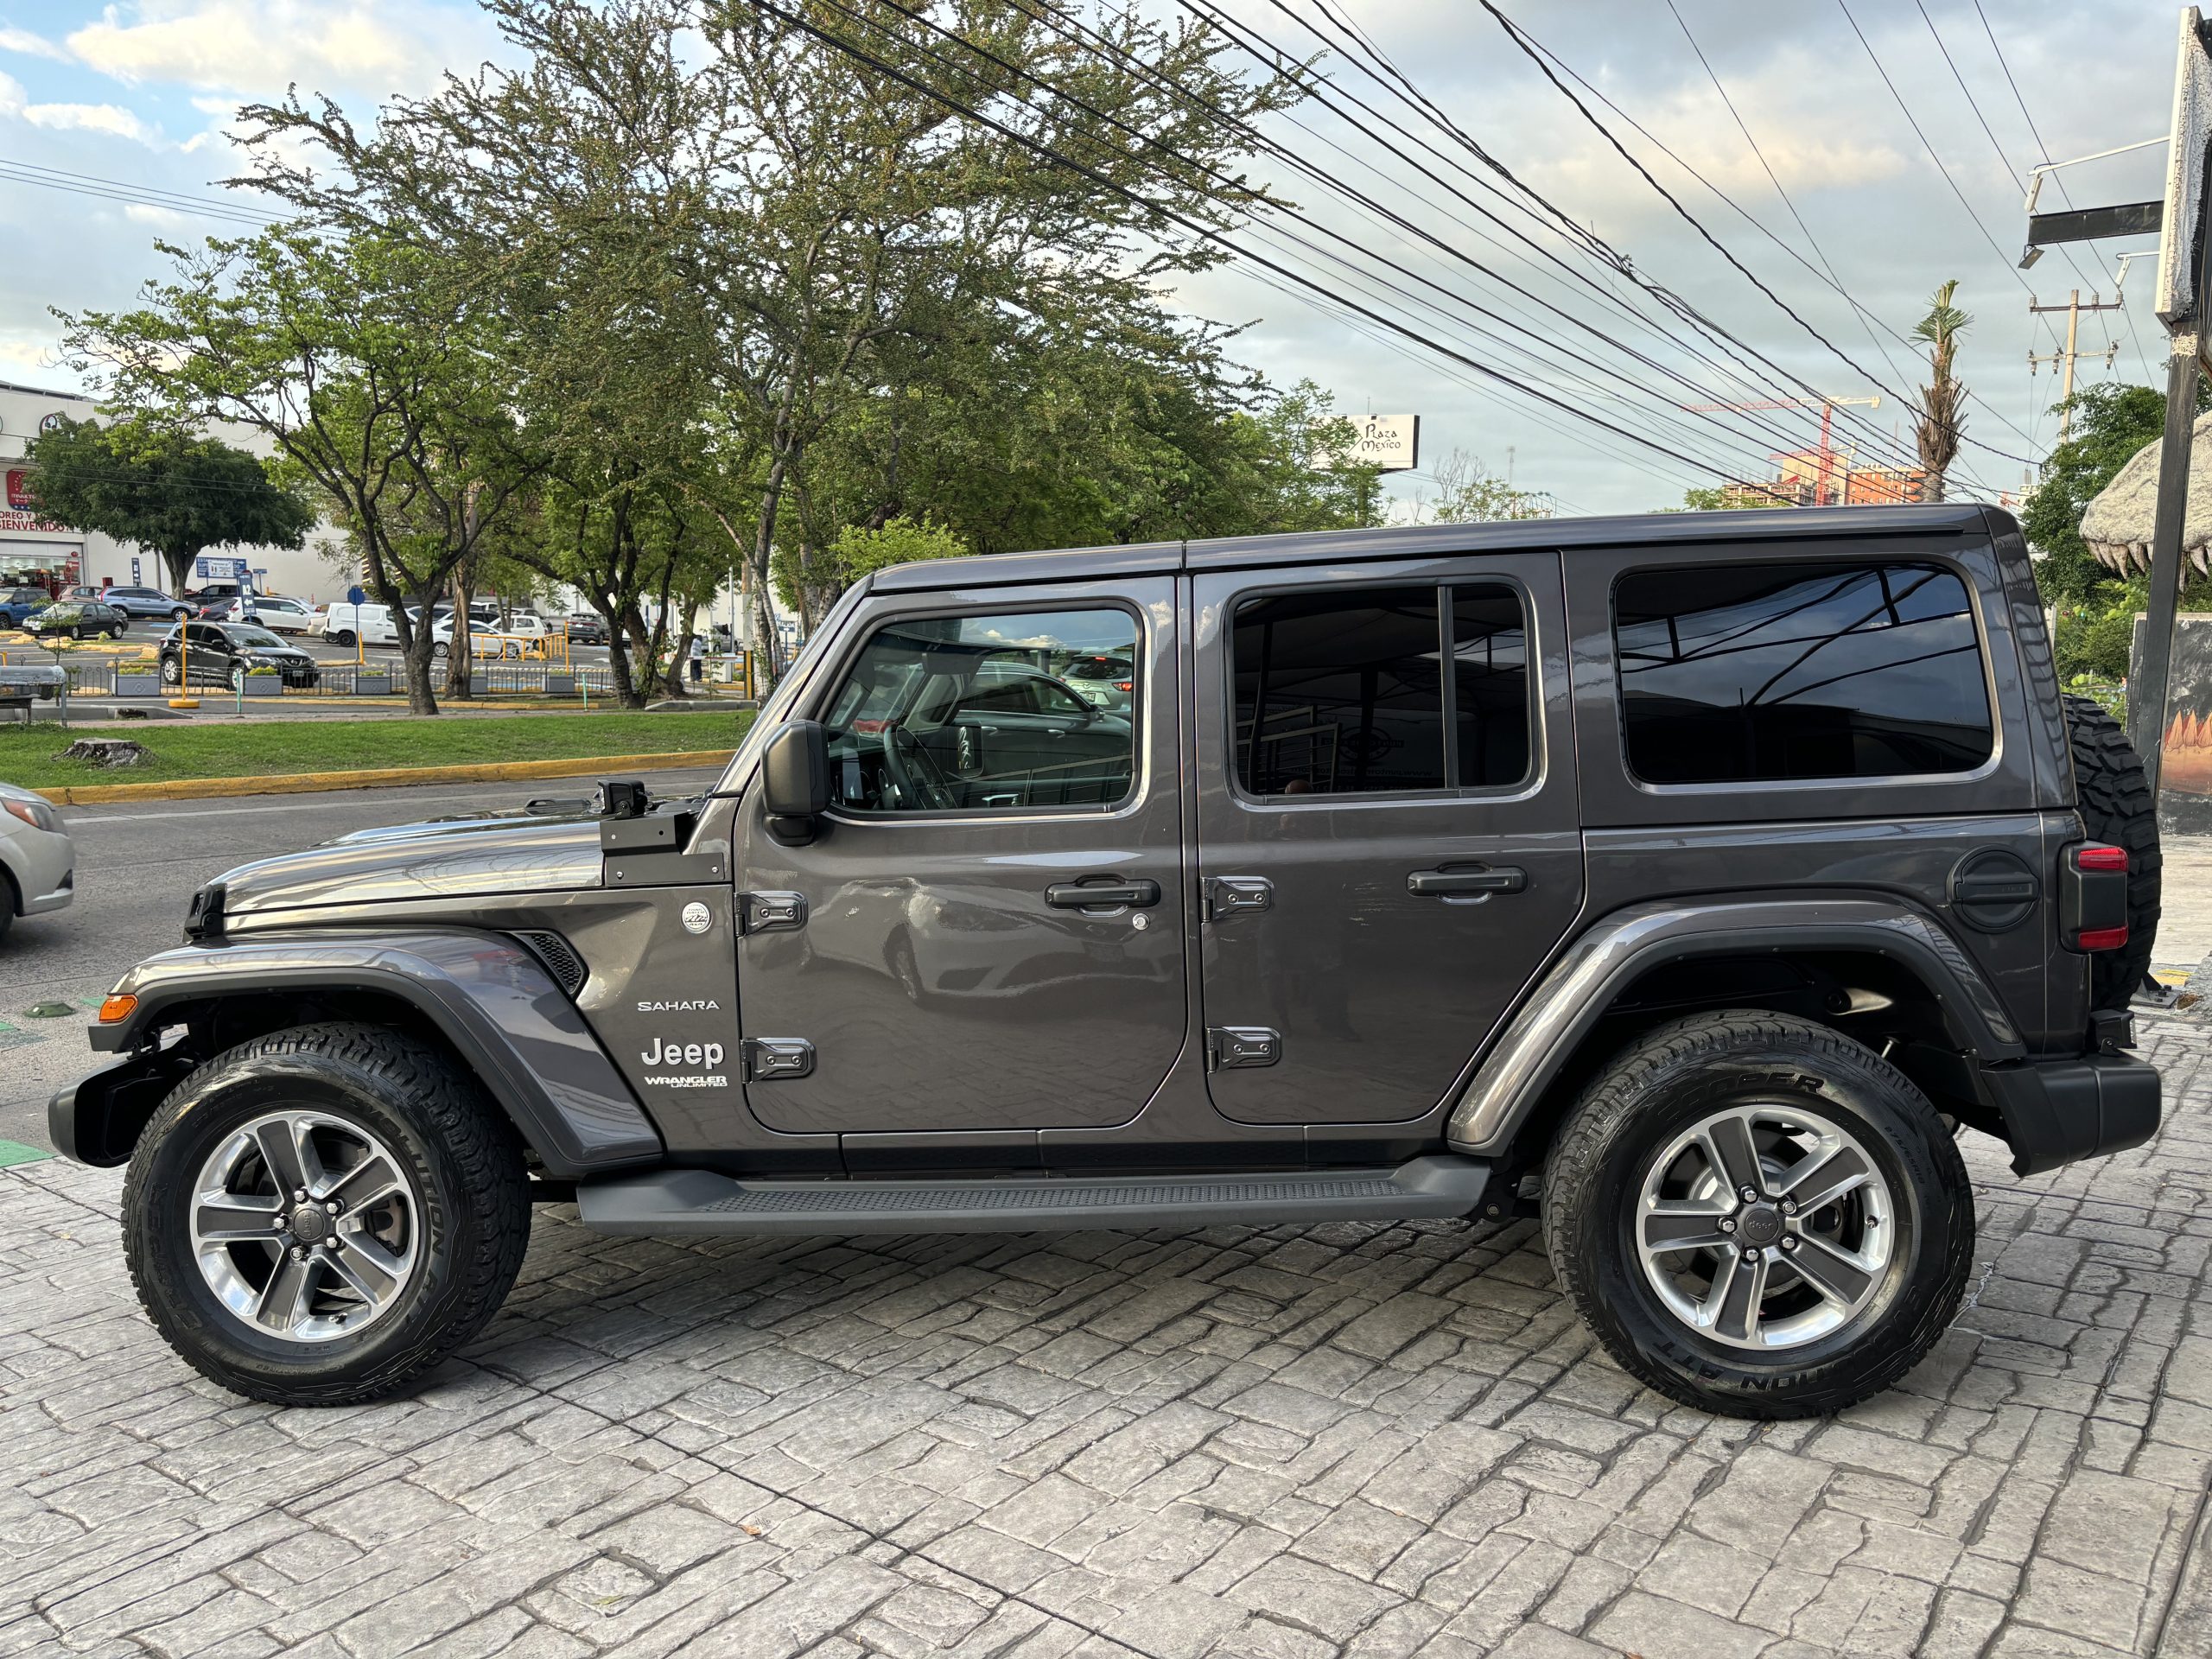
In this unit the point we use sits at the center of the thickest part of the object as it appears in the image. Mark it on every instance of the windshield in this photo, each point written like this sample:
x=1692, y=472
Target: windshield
x=254, y=637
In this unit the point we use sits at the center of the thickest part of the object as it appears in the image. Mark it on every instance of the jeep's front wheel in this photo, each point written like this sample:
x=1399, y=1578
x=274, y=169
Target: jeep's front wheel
x=320, y=1216
x=1758, y=1216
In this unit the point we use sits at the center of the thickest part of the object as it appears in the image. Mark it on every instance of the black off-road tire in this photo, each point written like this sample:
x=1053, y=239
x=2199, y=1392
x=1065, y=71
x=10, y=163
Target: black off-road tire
x=1667, y=1081
x=2116, y=805
x=460, y=1153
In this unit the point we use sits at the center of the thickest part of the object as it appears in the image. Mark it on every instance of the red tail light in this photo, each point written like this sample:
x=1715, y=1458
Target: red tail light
x=2093, y=897
x=1125, y=685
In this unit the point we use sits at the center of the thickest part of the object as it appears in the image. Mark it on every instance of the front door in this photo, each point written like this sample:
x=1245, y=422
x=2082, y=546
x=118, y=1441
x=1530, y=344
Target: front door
x=989, y=934
x=1389, y=850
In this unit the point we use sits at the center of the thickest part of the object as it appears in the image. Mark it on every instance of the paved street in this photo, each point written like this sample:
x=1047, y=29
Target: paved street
x=1284, y=1444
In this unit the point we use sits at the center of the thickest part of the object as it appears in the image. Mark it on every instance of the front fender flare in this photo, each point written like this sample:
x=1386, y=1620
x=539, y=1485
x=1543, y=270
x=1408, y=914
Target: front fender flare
x=486, y=994
x=1569, y=1000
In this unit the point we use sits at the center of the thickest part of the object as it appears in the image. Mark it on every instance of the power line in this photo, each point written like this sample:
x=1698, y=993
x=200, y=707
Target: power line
x=1668, y=407
x=1811, y=241
x=1404, y=88
x=1844, y=6
x=1365, y=281
x=86, y=184
x=1160, y=211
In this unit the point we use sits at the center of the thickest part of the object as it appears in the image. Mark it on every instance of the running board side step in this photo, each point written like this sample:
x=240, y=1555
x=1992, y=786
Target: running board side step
x=689, y=1202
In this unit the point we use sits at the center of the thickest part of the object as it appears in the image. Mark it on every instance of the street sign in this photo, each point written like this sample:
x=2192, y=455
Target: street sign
x=356, y=594
x=2176, y=302
x=217, y=569
x=135, y=578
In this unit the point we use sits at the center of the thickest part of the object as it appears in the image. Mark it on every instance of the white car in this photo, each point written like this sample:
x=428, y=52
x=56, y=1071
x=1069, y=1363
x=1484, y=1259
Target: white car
x=37, y=855
x=373, y=625
x=280, y=615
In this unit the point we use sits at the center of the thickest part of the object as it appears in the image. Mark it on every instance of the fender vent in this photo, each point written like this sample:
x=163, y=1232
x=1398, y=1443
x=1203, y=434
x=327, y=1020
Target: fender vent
x=560, y=958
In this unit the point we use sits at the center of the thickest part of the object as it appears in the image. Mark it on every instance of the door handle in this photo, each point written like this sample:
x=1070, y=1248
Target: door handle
x=1084, y=895
x=1445, y=884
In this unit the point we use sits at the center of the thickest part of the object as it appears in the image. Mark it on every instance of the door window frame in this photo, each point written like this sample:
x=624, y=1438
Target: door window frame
x=1531, y=783
x=824, y=694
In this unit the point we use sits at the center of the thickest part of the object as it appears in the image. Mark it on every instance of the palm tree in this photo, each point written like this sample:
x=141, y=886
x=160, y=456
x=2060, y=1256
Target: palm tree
x=1943, y=399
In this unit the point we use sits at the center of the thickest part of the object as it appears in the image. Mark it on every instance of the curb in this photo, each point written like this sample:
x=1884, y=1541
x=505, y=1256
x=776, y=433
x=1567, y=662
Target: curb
x=310, y=782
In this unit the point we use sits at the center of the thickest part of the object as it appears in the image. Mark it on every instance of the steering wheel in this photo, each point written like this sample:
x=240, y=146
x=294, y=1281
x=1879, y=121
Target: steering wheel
x=914, y=770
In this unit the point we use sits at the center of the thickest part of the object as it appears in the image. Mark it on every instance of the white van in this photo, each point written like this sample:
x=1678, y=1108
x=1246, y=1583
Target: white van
x=370, y=625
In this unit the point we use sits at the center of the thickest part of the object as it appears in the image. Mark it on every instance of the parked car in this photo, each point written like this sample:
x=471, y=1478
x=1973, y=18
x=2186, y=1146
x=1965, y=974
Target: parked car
x=1687, y=885
x=220, y=653
x=346, y=624
x=22, y=602
x=36, y=853
x=1102, y=682
x=82, y=592
x=79, y=618
x=584, y=628
x=146, y=602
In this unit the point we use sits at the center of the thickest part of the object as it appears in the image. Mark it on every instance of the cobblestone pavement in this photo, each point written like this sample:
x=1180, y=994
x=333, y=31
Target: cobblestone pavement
x=1279, y=1444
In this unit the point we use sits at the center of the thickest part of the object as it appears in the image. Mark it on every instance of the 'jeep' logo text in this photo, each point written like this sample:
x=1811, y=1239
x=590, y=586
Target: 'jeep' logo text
x=662, y=1053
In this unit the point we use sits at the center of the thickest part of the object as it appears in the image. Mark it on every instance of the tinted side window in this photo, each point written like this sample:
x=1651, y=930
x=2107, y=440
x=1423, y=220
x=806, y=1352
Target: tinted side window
x=1339, y=692
x=1761, y=673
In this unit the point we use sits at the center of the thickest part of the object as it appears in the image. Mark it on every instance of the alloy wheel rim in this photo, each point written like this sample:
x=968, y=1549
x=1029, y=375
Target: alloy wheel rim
x=1766, y=1227
x=305, y=1226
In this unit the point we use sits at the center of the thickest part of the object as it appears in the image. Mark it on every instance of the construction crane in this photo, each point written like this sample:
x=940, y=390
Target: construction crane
x=1824, y=493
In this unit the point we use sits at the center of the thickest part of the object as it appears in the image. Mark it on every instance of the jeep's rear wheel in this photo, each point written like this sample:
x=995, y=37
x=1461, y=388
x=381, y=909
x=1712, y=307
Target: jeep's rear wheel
x=318, y=1217
x=1758, y=1216
x=2117, y=808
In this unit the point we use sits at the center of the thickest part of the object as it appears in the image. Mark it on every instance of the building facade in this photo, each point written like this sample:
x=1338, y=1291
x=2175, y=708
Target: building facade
x=36, y=551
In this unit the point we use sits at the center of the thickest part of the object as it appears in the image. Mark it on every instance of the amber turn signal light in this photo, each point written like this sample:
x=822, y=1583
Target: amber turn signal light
x=117, y=1008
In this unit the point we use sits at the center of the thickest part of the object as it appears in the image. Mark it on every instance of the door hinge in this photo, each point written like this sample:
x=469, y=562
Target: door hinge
x=1230, y=895
x=770, y=913
x=1230, y=1048
x=777, y=1058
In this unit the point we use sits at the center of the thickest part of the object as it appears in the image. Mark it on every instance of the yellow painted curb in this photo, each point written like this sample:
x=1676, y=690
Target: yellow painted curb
x=310, y=782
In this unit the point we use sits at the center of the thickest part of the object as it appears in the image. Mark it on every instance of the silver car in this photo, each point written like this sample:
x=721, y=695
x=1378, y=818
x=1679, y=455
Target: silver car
x=37, y=855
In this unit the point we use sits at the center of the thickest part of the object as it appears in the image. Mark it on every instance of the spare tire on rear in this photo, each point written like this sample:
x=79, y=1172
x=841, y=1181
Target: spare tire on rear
x=2117, y=808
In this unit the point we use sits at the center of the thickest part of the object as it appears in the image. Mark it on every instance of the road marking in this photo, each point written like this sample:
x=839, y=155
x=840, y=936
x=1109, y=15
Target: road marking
x=15, y=1152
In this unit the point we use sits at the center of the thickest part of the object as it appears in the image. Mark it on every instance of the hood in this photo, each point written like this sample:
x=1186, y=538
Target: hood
x=419, y=861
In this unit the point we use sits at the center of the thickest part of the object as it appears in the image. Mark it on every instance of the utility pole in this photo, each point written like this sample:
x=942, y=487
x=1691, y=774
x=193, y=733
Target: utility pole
x=2073, y=308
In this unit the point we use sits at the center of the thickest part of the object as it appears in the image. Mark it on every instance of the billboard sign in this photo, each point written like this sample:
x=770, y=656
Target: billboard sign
x=21, y=514
x=1388, y=443
x=208, y=569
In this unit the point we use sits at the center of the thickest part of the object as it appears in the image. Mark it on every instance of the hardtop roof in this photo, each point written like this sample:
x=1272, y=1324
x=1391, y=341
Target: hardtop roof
x=1947, y=519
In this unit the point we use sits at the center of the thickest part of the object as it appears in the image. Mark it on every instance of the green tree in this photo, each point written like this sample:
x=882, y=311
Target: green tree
x=1942, y=419
x=163, y=489
x=2107, y=425
x=364, y=364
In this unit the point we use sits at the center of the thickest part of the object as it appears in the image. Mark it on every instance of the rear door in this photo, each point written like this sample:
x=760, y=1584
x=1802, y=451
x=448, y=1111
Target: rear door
x=1388, y=838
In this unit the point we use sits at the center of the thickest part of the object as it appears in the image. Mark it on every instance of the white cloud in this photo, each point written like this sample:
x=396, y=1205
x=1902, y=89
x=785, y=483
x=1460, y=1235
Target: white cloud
x=30, y=45
x=262, y=46
x=162, y=219
x=71, y=118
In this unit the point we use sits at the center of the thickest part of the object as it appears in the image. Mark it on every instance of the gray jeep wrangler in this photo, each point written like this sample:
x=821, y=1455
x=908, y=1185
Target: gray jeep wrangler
x=1690, y=881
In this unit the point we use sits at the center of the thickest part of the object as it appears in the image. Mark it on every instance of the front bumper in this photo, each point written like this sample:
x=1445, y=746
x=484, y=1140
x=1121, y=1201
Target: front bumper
x=2060, y=1111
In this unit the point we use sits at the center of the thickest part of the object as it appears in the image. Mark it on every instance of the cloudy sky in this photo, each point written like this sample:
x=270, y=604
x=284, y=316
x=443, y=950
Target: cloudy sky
x=143, y=93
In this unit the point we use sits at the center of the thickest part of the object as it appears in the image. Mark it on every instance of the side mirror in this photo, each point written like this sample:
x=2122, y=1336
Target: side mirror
x=795, y=780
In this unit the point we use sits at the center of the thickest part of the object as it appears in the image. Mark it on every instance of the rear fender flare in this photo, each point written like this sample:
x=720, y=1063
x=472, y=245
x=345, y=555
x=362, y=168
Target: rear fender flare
x=490, y=998
x=1543, y=1037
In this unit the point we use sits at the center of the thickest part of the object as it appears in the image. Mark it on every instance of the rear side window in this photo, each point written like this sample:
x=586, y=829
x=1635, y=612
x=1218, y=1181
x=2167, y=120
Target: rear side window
x=1767, y=673
x=1351, y=692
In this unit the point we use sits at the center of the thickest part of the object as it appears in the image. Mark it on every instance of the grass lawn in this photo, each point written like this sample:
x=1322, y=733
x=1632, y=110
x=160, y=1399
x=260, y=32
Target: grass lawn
x=179, y=749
